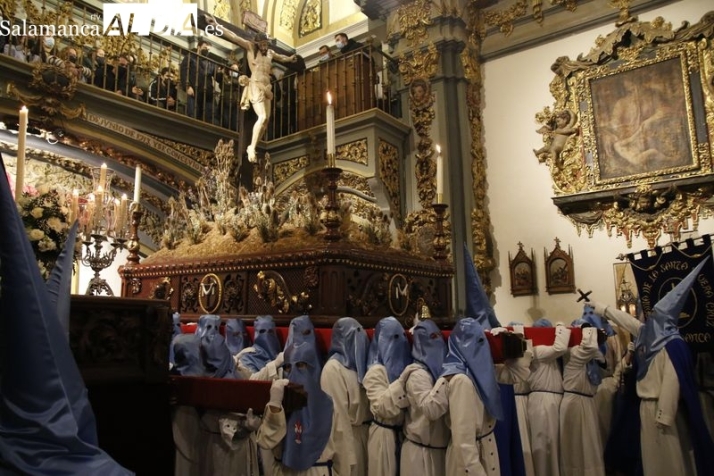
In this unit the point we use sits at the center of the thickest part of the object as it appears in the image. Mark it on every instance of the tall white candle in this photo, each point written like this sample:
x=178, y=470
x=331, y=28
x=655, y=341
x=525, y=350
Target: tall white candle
x=74, y=211
x=20, y=167
x=103, y=176
x=330, y=114
x=439, y=175
x=137, y=185
x=98, y=209
x=121, y=218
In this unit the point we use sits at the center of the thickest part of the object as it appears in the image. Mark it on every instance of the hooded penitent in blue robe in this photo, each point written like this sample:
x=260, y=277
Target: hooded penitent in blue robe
x=46, y=422
x=266, y=345
x=237, y=337
x=309, y=428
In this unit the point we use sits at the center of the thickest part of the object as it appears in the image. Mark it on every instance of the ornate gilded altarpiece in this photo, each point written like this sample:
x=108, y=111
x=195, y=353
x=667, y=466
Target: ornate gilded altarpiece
x=629, y=138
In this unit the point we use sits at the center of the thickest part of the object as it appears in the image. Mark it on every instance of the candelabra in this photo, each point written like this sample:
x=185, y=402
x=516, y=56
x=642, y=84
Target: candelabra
x=439, y=235
x=102, y=220
x=331, y=216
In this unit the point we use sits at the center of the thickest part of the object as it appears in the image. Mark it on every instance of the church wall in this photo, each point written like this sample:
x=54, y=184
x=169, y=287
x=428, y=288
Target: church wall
x=520, y=189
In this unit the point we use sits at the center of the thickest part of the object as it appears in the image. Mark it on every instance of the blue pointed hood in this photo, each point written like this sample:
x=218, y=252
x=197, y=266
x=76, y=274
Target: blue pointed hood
x=217, y=359
x=350, y=345
x=309, y=428
x=237, y=337
x=429, y=347
x=45, y=417
x=300, y=330
x=542, y=322
x=596, y=320
x=187, y=354
x=266, y=345
x=390, y=347
x=662, y=325
x=59, y=283
x=209, y=325
x=477, y=304
x=470, y=354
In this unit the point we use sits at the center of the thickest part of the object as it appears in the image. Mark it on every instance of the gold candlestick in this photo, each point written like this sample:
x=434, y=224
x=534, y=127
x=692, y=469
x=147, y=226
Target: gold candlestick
x=439, y=235
x=133, y=245
x=331, y=217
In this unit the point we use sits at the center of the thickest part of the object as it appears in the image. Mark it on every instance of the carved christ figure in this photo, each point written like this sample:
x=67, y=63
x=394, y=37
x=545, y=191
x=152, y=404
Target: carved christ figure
x=258, y=91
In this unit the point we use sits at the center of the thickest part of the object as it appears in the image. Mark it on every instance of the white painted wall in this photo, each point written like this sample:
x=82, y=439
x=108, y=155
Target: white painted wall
x=520, y=189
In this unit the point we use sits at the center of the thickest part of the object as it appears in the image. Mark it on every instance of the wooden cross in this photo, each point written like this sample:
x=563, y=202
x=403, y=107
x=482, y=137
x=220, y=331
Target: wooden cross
x=583, y=296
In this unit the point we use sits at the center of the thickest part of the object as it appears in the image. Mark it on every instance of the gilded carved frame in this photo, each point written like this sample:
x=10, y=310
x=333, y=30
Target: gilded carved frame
x=629, y=138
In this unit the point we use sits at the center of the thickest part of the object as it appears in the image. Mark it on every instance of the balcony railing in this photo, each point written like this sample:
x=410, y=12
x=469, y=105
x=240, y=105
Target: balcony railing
x=153, y=68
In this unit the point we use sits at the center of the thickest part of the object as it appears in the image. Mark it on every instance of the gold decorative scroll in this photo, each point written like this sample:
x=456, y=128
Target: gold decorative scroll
x=389, y=174
x=416, y=71
x=504, y=19
x=284, y=170
x=480, y=218
x=288, y=12
x=414, y=19
x=355, y=151
x=310, y=17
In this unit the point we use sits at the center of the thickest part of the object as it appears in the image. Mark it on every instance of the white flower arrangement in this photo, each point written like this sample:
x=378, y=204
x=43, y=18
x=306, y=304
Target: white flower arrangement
x=45, y=217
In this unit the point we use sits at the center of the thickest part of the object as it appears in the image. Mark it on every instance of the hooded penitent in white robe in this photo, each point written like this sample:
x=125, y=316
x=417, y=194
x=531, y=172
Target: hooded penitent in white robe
x=546, y=383
x=516, y=372
x=472, y=449
x=663, y=430
x=387, y=403
x=351, y=418
x=581, y=450
x=521, y=390
x=425, y=430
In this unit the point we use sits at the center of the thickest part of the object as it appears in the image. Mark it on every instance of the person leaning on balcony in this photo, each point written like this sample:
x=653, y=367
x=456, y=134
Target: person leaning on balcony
x=325, y=53
x=117, y=77
x=346, y=44
x=162, y=90
x=230, y=97
x=197, y=76
x=69, y=61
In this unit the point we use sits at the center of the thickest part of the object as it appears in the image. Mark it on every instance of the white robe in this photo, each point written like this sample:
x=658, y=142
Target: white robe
x=546, y=383
x=581, y=450
x=270, y=436
x=664, y=436
x=516, y=372
x=269, y=372
x=522, y=390
x=386, y=402
x=472, y=449
x=425, y=430
x=352, y=418
x=185, y=423
x=218, y=458
x=605, y=395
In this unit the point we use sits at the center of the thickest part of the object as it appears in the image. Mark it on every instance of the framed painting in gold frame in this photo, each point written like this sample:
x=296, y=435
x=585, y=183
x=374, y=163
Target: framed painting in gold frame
x=523, y=274
x=629, y=138
x=559, y=272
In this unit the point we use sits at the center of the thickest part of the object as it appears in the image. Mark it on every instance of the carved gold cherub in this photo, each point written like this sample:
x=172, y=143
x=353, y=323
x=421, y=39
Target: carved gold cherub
x=559, y=129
